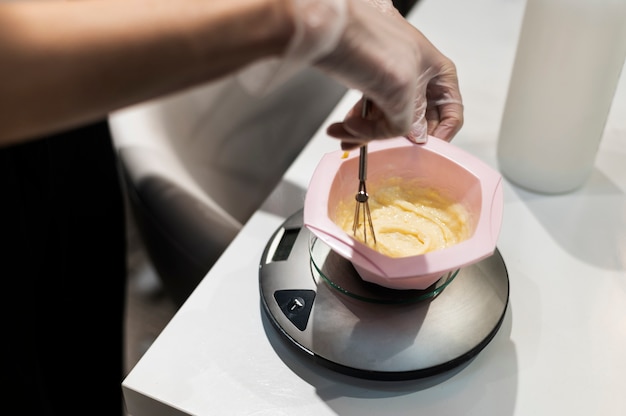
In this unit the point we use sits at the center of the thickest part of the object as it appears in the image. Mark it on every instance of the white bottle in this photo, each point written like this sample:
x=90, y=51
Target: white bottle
x=568, y=63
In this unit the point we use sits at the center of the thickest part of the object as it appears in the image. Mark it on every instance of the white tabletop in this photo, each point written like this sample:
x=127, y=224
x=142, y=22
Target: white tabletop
x=561, y=349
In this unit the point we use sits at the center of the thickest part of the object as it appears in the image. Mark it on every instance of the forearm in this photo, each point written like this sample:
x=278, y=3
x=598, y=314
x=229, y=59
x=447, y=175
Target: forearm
x=66, y=63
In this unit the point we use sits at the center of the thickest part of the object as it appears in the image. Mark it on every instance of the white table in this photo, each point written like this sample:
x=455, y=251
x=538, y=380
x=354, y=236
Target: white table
x=561, y=349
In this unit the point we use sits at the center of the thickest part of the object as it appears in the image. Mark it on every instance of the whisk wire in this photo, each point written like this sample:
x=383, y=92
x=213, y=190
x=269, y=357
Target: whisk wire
x=362, y=214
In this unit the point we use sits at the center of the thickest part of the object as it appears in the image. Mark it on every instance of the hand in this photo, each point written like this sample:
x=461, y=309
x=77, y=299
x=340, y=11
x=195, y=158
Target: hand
x=369, y=46
x=413, y=87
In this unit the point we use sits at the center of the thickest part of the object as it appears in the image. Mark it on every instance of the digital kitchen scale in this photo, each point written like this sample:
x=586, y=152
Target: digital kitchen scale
x=315, y=299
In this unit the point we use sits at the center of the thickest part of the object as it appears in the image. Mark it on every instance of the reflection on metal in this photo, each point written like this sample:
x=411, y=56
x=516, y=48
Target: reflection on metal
x=317, y=301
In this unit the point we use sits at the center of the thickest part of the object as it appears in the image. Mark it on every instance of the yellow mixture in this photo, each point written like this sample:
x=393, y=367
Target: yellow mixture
x=408, y=219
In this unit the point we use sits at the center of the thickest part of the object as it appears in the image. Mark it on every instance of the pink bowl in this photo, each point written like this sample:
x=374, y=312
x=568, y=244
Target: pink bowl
x=437, y=164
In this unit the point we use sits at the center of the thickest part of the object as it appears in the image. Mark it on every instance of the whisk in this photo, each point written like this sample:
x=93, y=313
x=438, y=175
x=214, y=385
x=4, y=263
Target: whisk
x=362, y=208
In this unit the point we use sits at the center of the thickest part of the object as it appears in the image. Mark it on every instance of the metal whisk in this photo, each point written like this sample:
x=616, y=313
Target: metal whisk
x=362, y=208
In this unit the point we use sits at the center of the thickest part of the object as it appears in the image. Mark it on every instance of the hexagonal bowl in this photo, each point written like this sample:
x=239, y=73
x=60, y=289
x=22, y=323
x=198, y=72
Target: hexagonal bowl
x=437, y=164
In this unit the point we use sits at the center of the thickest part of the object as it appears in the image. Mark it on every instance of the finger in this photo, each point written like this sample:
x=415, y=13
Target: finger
x=419, y=132
x=348, y=142
x=450, y=121
x=432, y=119
x=338, y=131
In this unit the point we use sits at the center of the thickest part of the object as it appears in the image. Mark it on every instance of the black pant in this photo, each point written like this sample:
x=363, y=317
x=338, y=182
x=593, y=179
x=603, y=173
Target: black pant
x=62, y=274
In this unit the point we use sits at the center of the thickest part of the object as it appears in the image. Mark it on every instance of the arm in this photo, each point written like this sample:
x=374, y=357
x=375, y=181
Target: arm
x=69, y=62
x=65, y=63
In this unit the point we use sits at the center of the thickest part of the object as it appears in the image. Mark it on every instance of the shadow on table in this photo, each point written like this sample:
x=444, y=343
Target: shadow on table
x=589, y=223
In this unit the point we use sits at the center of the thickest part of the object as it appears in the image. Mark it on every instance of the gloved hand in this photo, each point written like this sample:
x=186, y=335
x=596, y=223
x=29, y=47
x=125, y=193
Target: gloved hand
x=414, y=88
x=370, y=47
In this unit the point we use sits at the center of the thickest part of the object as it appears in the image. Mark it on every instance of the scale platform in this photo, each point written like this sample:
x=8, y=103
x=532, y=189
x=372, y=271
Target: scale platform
x=318, y=302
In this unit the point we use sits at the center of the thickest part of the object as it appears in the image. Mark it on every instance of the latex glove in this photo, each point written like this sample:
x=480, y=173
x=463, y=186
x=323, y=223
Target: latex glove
x=414, y=88
x=318, y=26
x=369, y=46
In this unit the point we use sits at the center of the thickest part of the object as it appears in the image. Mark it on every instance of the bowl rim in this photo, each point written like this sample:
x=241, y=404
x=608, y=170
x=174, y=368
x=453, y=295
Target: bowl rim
x=480, y=245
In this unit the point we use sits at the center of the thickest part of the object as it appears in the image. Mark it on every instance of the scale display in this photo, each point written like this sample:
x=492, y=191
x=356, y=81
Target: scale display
x=318, y=302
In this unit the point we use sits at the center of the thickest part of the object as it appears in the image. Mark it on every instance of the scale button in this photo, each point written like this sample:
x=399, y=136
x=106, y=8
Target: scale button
x=296, y=305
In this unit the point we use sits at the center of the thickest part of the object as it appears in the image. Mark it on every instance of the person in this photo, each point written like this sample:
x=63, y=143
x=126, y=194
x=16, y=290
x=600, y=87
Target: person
x=66, y=64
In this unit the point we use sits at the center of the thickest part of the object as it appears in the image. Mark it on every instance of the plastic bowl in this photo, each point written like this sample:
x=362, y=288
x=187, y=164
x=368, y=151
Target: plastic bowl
x=437, y=164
